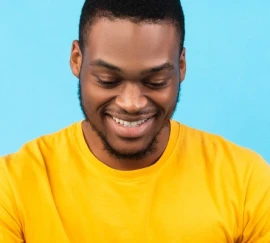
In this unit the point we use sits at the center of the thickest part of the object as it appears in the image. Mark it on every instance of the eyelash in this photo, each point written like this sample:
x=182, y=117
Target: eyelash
x=108, y=84
x=111, y=84
x=157, y=85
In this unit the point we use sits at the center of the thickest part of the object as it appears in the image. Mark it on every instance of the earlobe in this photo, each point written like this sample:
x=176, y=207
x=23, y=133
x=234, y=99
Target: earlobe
x=182, y=65
x=76, y=59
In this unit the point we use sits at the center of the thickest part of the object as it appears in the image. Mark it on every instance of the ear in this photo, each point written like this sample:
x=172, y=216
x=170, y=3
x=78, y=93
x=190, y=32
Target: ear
x=76, y=58
x=182, y=65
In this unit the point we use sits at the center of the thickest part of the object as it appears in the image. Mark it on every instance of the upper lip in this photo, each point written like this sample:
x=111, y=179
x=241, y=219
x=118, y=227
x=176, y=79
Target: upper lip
x=132, y=119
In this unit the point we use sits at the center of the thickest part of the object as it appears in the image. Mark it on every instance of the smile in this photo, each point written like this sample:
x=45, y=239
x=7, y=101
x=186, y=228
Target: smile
x=130, y=128
x=129, y=124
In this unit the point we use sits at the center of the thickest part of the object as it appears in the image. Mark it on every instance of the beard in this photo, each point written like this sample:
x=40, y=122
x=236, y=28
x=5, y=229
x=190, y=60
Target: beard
x=150, y=149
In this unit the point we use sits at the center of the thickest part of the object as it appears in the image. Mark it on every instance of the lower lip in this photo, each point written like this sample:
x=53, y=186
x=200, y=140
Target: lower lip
x=130, y=132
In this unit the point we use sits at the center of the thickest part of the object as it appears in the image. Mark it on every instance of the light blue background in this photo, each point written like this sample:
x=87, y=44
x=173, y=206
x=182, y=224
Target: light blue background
x=226, y=90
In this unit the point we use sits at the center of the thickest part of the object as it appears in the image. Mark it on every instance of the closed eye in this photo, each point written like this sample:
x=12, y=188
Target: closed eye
x=156, y=84
x=108, y=83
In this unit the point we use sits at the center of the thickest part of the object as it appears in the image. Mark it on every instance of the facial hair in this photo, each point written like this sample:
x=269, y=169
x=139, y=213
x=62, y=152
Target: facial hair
x=150, y=149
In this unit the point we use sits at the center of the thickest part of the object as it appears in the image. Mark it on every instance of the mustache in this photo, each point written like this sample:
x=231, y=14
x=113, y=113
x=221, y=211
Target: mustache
x=139, y=113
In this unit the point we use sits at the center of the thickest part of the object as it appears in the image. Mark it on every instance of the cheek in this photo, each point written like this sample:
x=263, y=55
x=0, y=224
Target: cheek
x=94, y=97
x=168, y=97
x=90, y=98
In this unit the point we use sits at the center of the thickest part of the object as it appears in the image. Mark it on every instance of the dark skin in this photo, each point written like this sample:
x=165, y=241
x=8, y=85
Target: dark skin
x=131, y=72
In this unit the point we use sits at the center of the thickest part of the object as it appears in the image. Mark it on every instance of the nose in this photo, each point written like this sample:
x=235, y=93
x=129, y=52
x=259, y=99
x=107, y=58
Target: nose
x=131, y=98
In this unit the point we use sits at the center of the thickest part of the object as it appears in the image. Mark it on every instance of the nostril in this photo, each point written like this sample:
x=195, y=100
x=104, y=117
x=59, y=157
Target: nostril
x=131, y=103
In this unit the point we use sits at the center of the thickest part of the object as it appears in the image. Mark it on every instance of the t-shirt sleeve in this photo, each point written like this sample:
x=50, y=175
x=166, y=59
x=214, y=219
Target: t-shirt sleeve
x=256, y=215
x=10, y=226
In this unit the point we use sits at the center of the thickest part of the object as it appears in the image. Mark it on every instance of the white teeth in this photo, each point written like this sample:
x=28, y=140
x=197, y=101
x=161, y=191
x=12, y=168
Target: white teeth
x=129, y=124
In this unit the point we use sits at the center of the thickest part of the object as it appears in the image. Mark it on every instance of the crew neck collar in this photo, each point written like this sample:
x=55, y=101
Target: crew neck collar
x=102, y=169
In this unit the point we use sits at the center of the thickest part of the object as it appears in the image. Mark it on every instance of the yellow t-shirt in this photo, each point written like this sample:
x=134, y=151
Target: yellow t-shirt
x=203, y=189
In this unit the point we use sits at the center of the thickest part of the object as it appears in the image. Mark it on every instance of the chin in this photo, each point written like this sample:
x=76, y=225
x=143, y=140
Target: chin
x=131, y=151
x=126, y=149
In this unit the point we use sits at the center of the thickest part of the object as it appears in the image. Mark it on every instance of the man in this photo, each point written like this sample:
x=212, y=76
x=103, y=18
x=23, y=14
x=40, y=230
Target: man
x=128, y=173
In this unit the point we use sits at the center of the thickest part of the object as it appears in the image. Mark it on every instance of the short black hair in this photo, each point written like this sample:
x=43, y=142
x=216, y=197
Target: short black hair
x=152, y=11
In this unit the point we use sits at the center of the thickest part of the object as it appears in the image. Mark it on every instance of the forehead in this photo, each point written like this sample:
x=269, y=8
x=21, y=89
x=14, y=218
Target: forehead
x=124, y=42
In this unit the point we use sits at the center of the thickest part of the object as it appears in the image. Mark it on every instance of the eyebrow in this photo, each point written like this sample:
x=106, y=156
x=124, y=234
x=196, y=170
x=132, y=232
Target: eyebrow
x=101, y=63
x=104, y=64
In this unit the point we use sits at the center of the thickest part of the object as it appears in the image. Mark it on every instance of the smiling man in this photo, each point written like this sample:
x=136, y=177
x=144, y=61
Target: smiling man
x=128, y=172
x=130, y=74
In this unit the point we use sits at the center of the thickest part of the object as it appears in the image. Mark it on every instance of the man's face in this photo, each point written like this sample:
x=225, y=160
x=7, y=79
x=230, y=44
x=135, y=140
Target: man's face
x=130, y=76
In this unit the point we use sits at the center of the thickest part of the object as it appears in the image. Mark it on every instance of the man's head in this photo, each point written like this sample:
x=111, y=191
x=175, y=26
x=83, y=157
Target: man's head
x=148, y=11
x=127, y=59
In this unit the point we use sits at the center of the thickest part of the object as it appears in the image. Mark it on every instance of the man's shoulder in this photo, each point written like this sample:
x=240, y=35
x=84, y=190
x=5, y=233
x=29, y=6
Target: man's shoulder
x=219, y=150
x=37, y=148
x=235, y=168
